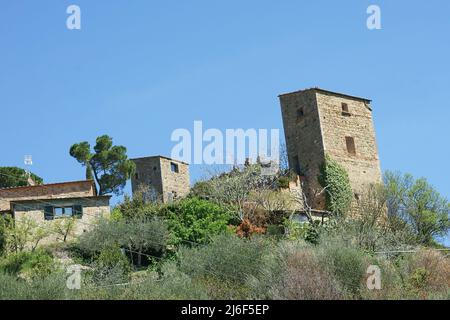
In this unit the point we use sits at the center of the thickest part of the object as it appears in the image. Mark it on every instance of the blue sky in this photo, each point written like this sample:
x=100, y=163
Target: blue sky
x=137, y=70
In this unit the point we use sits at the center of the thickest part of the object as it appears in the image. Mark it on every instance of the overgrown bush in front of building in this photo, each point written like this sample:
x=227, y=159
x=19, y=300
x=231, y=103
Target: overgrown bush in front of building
x=195, y=220
x=142, y=238
x=334, y=179
x=111, y=266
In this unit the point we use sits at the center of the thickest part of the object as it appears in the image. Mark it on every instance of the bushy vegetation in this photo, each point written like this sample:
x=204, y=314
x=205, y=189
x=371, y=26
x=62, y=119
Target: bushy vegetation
x=209, y=247
x=334, y=179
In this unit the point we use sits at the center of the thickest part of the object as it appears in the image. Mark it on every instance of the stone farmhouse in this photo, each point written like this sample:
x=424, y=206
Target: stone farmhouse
x=47, y=203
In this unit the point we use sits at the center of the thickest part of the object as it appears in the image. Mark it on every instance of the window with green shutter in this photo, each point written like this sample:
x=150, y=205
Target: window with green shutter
x=78, y=211
x=48, y=213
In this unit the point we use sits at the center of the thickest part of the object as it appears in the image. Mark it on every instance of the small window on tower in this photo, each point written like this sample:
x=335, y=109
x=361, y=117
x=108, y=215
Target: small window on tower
x=174, y=167
x=345, y=111
x=136, y=176
x=350, y=142
x=297, y=165
x=300, y=113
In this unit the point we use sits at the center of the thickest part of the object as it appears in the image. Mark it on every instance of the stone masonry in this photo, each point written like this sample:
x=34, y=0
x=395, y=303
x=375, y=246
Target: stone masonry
x=41, y=203
x=167, y=178
x=318, y=123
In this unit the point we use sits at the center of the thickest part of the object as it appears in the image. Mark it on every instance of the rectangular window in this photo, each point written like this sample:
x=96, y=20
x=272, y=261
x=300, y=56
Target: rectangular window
x=51, y=213
x=300, y=114
x=345, y=111
x=297, y=165
x=350, y=142
x=174, y=167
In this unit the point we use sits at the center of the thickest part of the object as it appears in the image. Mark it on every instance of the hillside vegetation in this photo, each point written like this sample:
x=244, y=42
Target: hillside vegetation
x=235, y=237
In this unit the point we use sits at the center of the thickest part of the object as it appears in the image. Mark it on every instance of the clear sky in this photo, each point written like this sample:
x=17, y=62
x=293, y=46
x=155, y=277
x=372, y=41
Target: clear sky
x=137, y=70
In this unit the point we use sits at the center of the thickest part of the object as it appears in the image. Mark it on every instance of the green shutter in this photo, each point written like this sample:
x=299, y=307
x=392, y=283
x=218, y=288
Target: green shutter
x=48, y=213
x=78, y=211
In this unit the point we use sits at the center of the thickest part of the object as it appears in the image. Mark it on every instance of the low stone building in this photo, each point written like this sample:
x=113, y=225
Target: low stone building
x=167, y=179
x=48, y=203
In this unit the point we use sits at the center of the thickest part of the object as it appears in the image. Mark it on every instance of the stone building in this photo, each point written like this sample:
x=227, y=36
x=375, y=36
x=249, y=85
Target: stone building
x=48, y=203
x=167, y=179
x=318, y=122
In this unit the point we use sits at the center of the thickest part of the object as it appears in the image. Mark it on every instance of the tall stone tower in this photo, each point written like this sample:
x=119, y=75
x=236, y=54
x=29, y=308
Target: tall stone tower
x=167, y=179
x=318, y=122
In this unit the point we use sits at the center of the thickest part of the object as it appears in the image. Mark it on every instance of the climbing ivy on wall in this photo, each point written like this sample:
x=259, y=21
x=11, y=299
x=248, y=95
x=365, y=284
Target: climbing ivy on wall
x=338, y=191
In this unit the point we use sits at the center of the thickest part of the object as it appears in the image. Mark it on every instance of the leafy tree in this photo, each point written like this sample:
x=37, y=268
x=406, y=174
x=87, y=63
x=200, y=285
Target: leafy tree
x=140, y=236
x=16, y=177
x=417, y=203
x=334, y=179
x=196, y=220
x=24, y=233
x=109, y=164
x=65, y=228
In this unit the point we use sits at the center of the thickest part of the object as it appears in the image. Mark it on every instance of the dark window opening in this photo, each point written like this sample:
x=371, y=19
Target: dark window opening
x=51, y=212
x=345, y=111
x=350, y=142
x=174, y=167
x=136, y=176
x=300, y=113
x=297, y=165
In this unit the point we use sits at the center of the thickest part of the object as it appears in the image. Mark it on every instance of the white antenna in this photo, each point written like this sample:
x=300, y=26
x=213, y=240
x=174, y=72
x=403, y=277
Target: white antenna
x=28, y=161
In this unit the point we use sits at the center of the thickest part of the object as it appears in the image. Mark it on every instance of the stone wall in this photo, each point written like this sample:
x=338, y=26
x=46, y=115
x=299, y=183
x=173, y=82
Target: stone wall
x=303, y=139
x=156, y=173
x=93, y=209
x=315, y=125
x=47, y=191
x=363, y=167
x=175, y=184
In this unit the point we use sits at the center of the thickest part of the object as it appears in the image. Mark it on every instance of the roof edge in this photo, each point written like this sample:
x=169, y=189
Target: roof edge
x=159, y=156
x=52, y=184
x=317, y=89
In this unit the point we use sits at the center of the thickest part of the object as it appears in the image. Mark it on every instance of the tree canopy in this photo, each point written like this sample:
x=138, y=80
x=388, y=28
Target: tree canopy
x=108, y=164
x=417, y=203
x=16, y=177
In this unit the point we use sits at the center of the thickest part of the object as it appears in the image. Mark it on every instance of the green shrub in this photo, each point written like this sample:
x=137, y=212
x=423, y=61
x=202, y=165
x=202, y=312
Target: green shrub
x=304, y=277
x=283, y=182
x=51, y=287
x=28, y=264
x=140, y=237
x=335, y=179
x=195, y=220
x=111, y=266
x=348, y=264
x=225, y=265
x=3, y=233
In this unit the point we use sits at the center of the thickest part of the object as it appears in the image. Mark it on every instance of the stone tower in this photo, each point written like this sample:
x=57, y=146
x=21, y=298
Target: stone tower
x=166, y=178
x=319, y=122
